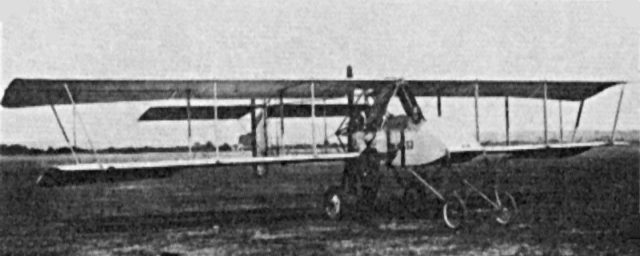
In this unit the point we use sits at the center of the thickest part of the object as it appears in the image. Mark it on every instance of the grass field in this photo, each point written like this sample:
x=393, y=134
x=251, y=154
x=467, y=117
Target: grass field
x=582, y=205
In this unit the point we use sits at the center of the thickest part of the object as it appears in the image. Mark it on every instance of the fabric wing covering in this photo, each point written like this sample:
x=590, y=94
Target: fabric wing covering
x=37, y=92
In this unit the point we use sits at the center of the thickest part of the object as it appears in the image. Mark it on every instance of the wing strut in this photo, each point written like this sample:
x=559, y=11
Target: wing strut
x=215, y=120
x=560, y=117
x=544, y=113
x=84, y=127
x=324, y=119
x=475, y=97
x=615, y=120
x=281, y=124
x=254, y=125
x=575, y=128
x=265, y=123
x=506, y=118
x=439, y=106
x=64, y=133
x=75, y=137
x=350, y=122
x=313, y=119
x=189, y=122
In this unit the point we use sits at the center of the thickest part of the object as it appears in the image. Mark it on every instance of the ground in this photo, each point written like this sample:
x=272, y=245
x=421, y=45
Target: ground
x=582, y=205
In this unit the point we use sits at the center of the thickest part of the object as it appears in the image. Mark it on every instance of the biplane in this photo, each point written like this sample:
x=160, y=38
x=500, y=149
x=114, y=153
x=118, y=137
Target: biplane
x=374, y=139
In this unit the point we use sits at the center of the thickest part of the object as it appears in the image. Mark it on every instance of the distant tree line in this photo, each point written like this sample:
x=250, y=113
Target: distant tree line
x=16, y=149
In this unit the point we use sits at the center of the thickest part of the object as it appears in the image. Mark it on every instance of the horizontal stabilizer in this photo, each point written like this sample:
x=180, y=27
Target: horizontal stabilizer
x=174, y=113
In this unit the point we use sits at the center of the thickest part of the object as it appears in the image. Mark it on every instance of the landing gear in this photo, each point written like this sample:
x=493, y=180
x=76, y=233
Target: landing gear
x=359, y=188
x=454, y=206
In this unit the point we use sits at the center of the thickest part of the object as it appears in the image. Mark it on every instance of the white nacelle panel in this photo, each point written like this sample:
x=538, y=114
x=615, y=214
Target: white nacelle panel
x=421, y=147
x=424, y=143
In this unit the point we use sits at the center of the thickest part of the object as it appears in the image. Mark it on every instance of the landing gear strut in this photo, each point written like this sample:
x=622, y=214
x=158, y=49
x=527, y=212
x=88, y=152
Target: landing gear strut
x=455, y=206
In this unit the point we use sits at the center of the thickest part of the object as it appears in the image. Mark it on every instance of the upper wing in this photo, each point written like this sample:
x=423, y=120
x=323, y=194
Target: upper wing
x=36, y=92
x=562, y=90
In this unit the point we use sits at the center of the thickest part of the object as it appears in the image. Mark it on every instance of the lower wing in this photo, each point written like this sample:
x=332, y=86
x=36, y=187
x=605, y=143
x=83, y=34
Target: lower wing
x=62, y=175
x=457, y=155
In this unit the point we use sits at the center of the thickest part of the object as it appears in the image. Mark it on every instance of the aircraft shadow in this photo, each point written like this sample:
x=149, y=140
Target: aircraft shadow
x=154, y=222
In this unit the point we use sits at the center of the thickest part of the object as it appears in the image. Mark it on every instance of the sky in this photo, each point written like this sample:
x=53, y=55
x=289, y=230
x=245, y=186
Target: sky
x=524, y=40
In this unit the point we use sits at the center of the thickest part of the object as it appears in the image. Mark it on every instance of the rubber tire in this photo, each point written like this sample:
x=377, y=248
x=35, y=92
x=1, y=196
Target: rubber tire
x=508, y=210
x=333, y=204
x=454, y=213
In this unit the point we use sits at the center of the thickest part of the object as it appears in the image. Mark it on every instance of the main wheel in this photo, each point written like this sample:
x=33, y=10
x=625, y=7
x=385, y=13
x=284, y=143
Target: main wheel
x=334, y=203
x=454, y=213
x=508, y=208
